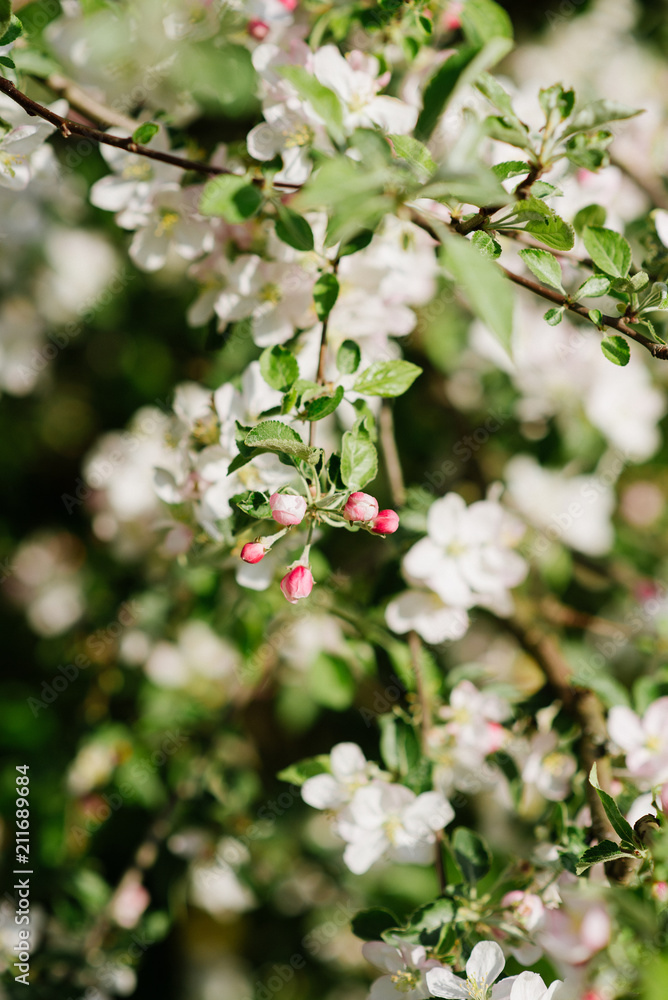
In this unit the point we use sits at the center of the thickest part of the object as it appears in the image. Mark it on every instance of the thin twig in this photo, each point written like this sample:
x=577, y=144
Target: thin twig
x=67, y=128
x=391, y=455
x=614, y=322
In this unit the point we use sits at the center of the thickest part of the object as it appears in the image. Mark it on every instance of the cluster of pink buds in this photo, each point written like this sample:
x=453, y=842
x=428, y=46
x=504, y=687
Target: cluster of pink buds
x=289, y=509
x=362, y=508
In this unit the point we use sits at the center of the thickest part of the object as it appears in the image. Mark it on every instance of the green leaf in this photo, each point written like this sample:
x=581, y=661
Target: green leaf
x=596, y=316
x=330, y=681
x=293, y=229
x=621, y=827
x=555, y=98
x=500, y=98
x=279, y=368
x=358, y=242
x=359, y=459
x=321, y=407
x=590, y=215
x=471, y=854
x=348, y=357
x=325, y=294
x=482, y=20
x=606, y=850
x=12, y=32
x=510, y=130
x=145, y=133
x=593, y=288
x=487, y=292
x=5, y=16
x=429, y=923
x=462, y=68
x=589, y=151
x=6, y=61
x=598, y=113
x=399, y=745
x=542, y=222
x=511, y=168
x=554, y=316
x=230, y=197
x=541, y=189
x=324, y=101
x=544, y=265
x=255, y=504
x=370, y=924
x=296, y=774
x=608, y=249
x=414, y=153
x=616, y=349
x=487, y=246
x=272, y=435
x=387, y=378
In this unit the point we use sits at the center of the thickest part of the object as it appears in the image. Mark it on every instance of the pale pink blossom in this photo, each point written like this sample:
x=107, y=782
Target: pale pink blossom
x=643, y=740
x=405, y=965
x=287, y=508
x=360, y=507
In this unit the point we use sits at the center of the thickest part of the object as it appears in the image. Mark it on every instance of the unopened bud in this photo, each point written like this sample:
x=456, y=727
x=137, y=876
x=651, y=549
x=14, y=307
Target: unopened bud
x=360, y=507
x=252, y=552
x=286, y=508
x=297, y=583
x=258, y=29
x=386, y=523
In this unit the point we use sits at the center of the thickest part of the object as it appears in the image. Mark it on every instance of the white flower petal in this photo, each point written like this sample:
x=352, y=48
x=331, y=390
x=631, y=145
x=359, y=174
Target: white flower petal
x=486, y=962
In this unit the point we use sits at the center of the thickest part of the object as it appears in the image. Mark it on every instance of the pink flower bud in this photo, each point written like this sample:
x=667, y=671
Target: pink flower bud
x=289, y=4
x=258, y=29
x=252, y=552
x=297, y=583
x=287, y=508
x=386, y=523
x=360, y=507
x=660, y=891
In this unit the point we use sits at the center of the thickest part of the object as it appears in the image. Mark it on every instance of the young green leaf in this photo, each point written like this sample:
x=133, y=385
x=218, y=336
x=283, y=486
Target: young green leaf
x=348, y=357
x=487, y=292
x=145, y=133
x=387, y=378
x=593, y=288
x=296, y=774
x=322, y=406
x=279, y=368
x=484, y=19
x=608, y=249
x=591, y=215
x=415, y=153
x=471, y=854
x=359, y=459
x=293, y=229
x=555, y=98
x=487, y=246
x=544, y=265
x=5, y=16
x=598, y=113
x=358, y=242
x=596, y=316
x=230, y=197
x=12, y=32
x=272, y=435
x=325, y=294
x=255, y=504
x=621, y=826
x=461, y=68
x=542, y=222
x=616, y=349
x=554, y=316
x=370, y=924
x=606, y=850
